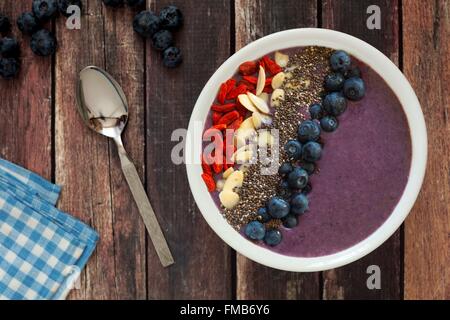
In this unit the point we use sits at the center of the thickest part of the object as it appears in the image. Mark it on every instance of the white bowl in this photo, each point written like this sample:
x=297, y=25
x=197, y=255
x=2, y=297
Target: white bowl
x=393, y=77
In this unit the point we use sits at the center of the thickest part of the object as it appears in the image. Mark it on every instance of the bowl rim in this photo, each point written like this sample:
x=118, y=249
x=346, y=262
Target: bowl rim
x=396, y=81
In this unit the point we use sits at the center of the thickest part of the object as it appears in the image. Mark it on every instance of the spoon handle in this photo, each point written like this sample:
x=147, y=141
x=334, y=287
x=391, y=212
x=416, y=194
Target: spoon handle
x=145, y=208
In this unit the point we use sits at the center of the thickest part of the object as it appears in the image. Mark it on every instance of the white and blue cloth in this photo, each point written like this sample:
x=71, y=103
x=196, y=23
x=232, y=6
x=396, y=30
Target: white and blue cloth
x=42, y=250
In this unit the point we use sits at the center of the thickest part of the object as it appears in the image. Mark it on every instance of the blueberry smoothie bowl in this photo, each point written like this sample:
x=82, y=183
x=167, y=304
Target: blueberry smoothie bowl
x=308, y=155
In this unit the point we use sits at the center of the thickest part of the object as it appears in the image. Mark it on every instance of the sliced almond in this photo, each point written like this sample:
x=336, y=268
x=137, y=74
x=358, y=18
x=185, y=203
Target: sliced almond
x=228, y=172
x=277, y=97
x=244, y=137
x=289, y=75
x=235, y=180
x=229, y=199
x=259, y=103
x=265, y=96
x=278, y=80
x=265, y=139
x=260, y=120
x=281, y=59
x=246, y=102
x=219, y=184
x=261, y=81
x=247, y=124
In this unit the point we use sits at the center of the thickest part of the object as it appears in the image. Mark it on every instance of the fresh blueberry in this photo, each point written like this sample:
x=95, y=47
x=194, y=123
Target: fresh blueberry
x=354, y=89
x=171, y=18
x=113, y=3
x=299, y=203
x=63, y=5
x=308, y=130
x=353, y=72
x=293, y=149
x=135, y=3
x=309, y=167
x=255, y=230
x=334, y=82
x=263, y=215
x=298, y=178
x=340, y=61
x=329, y=123
x=9, y=47
x=315, y=111
x=9, y=67
x=146, y=23
x=285, y=168
x=278, y=208
x=172, y=57
x=43, y=43
x=27, y=23
x=273, y=237
x=284, y=190
x=5, y=25
x=307, y=189
x=335, y=103
x=44, y=9
x=162, y=40
x=312, y=151
x=291, y=221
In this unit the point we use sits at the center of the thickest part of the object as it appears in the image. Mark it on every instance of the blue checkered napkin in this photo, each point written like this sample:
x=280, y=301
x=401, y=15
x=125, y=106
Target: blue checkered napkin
x=42, y=250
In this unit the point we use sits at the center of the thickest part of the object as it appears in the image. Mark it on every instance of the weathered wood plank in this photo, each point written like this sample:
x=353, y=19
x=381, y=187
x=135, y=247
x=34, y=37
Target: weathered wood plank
x=349, y=282
x=255, y=19
x=86, y=163
x=426, y=60
x=202, y=261
x=26, y=104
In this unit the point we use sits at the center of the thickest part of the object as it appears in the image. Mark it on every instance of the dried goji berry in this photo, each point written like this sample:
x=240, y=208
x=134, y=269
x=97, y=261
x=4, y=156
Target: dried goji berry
x=215, y=130
x=236, y=123
x=268, y=82
x=271, y=66
x=216, y=117
x=248, y=68
x=209, y=181
x=229, y=117
x=206, y=167
x=217, y=167
x=240, y=89
x=268, y=89
x=250, y=79
x=222, y=93
x=241, y=109
x=224, y=108
x=231, y=83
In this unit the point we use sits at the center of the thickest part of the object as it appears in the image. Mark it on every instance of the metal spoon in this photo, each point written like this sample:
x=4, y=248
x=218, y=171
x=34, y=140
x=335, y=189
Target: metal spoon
x=103, y=107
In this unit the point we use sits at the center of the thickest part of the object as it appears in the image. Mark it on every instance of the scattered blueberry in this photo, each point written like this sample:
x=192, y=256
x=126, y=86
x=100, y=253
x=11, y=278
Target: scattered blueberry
x=255, y=230
x=299, y=203
x=353, y=72
x=113, y=3
x=44, y=9
x=162, y=40
x=293, y=149
x=298, y=178
x=278, y=208
x=340, y=61
x=285, y=168
x=135, y=3
x=273, y=237
x=335, y=103
x=43, y=43
x=315, y=111
x=27, y=23
x=307, y=189
x=354, y=89
x=308, y=130
x=309, y=167
x=284, y=189
x=312, y=151
x=171, y=18
x=63, y=5
x=290, y=221
x=172, y=57
x=329, y=123
x=263, y=215
x=9, y=47
x=334, y=82
x=146, y=23
x=9, y=67
x=5, y=25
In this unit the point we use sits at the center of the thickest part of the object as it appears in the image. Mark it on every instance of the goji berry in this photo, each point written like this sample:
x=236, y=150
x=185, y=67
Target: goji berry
x=216, y=117
x=268, y=89
x=224, y=108
x=250, y=79
x=206, y=167
x=236, y=123
x=229, y=117
x=271, y=65
x=248, y=68
x=231, y=83
x=240, y=89
x=209, y=181
x=217, y=167
x=241, y=109
x=214, y=131
x=222, y=93
x=268, y=82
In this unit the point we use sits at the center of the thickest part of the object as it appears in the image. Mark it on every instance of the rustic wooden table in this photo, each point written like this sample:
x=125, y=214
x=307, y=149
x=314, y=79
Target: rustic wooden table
x=41, y=130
